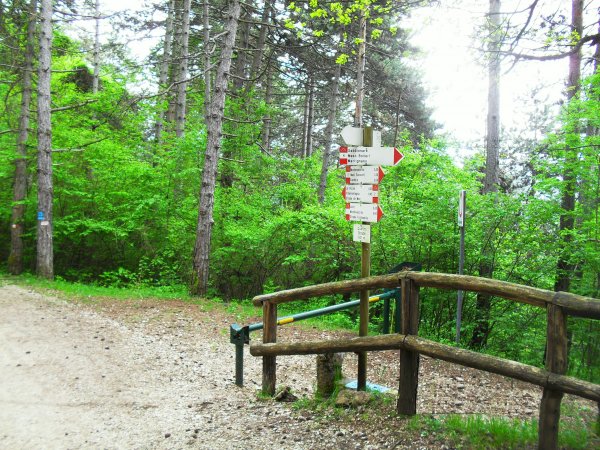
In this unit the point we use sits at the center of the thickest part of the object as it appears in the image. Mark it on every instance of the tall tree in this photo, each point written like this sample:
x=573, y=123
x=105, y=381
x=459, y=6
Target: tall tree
x=490, y=182
x=96, y=56
x=214, y=125
x=15, y=260
x=565, y=265
x=182, y=75
x=45, y=251
x=333, y=99
x=164, y=66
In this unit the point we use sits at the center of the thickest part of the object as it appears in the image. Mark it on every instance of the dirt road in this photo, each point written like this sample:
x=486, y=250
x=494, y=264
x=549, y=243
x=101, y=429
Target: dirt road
x=74, y=378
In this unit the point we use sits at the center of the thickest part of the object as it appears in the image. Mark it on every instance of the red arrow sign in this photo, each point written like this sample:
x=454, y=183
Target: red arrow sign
x=370, y=156
x=363, y=212
x=361, y=193
x=364, y=174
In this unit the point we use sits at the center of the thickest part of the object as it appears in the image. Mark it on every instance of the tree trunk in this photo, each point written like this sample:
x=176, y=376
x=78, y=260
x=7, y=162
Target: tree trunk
x=164, y=66
x=206, y=48
x=45, y=265
x=266, y=131
x=564, y=265
x=311, y=117
x=329, y=132
x=15, y=259
x=303, y=151
x=397, y=125
x=360, y=72
x=490, y=183
x=199, y=282
x=260, y=43
x=241, y=61
x=96, y=77
x=176, y=55
x=182, y=74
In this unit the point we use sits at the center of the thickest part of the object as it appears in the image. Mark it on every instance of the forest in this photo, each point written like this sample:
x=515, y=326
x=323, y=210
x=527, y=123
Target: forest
x=213, y=162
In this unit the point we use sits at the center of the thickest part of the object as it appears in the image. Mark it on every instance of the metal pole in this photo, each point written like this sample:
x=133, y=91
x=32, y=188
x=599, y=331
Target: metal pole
x=461, y=260
x=239, y=364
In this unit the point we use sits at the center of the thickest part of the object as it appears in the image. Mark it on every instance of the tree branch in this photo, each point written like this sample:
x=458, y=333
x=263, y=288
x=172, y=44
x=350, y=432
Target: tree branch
x=594, y=38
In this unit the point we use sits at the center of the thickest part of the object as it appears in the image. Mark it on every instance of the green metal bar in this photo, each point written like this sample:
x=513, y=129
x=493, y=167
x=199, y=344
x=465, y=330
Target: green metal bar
x=323, y=311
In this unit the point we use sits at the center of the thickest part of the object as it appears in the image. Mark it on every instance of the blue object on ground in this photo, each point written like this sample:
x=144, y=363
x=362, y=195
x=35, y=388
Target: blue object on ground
x=370, y=387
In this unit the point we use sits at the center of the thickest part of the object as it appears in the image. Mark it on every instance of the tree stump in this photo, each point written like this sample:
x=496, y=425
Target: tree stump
x=329, y=369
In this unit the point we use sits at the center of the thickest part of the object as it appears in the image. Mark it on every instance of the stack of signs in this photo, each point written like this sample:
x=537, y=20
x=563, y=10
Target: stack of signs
x=363, y=174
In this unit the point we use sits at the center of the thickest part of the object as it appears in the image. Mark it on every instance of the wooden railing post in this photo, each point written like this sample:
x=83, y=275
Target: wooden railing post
x=409, y=360
x=269, y=376
x=556, y=362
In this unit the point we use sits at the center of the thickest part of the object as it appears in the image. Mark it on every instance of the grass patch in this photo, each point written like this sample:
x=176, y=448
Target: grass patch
x=479, y=432
x=83, y=292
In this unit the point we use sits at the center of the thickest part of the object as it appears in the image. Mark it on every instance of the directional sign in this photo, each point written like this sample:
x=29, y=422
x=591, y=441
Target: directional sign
x=372, y=156
x=352, y=135
x=363, y=212
x=364, y=174
x=361, y=193
x=361, y=233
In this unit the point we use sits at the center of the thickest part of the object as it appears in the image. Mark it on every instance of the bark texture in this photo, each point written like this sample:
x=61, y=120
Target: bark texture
x=165, y=64
x=96, y=77
x=490, y=183
x=182, y=70
x=565, y=267
x=329, y=132
x=214, y=121
x=15, y=259
x=45, y=255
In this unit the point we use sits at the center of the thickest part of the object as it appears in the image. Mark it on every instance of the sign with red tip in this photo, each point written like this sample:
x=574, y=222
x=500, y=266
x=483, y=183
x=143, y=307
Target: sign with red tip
x=370, y=156
x=361, y=193
x=364, y=174
x=363, y=212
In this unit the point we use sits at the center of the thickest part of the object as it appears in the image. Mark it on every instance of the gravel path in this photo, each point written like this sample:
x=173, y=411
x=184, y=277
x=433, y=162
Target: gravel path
x=157, y=374
x=74, y=378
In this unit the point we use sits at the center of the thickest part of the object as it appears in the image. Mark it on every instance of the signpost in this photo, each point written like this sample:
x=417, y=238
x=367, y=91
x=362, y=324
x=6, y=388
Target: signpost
x=362, y=155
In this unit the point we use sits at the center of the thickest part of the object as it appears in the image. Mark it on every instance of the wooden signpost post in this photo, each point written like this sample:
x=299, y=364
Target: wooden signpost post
x=362, y=155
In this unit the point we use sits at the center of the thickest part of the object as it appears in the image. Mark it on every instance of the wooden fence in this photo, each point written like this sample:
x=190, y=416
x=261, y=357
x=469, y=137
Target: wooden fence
x=553, y=379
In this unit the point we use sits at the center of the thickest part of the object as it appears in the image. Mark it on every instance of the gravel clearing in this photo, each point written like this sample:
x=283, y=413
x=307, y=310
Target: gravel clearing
x=159, y=375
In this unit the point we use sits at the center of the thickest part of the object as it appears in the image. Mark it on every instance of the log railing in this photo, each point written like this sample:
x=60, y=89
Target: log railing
x=553, y=380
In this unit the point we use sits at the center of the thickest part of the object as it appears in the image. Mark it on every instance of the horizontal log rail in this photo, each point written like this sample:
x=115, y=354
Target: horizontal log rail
x=336, y=287
x=468, y=358
x=574, y=305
